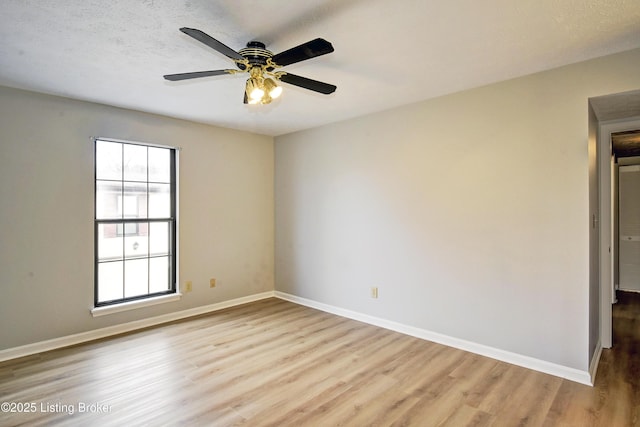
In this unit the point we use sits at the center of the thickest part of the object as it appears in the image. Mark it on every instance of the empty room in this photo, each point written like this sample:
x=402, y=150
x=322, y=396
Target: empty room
x=319, y=213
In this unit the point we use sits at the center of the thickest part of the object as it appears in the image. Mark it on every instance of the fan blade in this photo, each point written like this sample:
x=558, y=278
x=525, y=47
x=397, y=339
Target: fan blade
x=195, y=75
x=306, y=83
x=306, y=50
x=212, y=43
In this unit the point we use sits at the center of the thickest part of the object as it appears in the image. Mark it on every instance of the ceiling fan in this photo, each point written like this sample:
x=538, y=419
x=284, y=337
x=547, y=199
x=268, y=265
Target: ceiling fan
x=263, y=67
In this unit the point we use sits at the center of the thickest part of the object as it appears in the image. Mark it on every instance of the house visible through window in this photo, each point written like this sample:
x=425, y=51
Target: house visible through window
x=135, y=221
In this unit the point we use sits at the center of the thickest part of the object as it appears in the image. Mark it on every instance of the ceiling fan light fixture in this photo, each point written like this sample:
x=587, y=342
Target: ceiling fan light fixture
x=266, y=99
x=257, y=94
x=254, y=90
x=272, y=89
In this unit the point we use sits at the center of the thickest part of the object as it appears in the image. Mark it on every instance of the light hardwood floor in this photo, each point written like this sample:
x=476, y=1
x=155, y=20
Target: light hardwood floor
x=274, y=363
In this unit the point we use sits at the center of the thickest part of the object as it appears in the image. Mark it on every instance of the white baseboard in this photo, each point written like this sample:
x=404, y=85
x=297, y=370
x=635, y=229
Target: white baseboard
x=55, y=343
x=561, y=371
x=505, y=356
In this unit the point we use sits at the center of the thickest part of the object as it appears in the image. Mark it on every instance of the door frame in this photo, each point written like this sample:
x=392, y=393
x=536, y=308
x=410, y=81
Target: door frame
x=607, y=250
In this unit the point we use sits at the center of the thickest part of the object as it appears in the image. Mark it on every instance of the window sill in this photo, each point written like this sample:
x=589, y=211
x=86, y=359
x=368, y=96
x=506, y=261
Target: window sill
x=133, y=305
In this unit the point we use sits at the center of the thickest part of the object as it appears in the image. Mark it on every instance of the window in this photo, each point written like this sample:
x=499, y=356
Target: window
x=135, y=221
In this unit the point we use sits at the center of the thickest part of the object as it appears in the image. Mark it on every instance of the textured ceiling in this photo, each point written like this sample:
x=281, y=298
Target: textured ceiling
x=386, y=53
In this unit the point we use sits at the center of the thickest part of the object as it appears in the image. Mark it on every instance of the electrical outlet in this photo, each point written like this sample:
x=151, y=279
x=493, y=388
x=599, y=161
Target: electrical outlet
x=374, y=292
x=188, y=287
x=212, y=283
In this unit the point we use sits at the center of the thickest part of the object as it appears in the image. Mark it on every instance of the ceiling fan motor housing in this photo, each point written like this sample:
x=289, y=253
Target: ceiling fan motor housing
x=256, y=54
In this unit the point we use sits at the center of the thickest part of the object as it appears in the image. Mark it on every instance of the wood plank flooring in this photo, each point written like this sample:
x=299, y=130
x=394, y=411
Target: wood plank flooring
x=274, y=363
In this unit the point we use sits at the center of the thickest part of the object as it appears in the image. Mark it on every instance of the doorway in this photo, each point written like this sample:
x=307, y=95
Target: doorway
x=626, y=211
x=612, y=114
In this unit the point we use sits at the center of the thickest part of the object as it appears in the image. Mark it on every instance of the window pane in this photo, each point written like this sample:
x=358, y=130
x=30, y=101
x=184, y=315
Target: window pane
x=159, y=274
x=108, y=195
x=136, y=244
x=110, y=281
x=134, y=200
x=136, y=277
x=159, y=165
x=135, y=162
x=128, y=229
x=108, y=160
x=109, y=242
x=158, y=238
x=159, y=201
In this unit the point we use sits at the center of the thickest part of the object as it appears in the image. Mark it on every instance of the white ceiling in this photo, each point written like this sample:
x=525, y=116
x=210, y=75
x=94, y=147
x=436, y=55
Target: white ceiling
x=387, y=53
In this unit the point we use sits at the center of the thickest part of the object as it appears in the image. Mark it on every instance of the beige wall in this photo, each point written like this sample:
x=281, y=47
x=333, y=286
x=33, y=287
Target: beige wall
x=470, y=212
x=46, y=212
